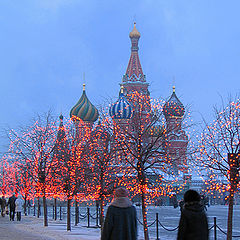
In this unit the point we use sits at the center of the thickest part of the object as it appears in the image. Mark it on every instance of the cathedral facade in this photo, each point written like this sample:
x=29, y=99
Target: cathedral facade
x=122, y=111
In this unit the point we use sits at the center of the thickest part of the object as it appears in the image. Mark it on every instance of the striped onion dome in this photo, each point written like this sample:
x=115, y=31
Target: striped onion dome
x=84, y=109
x=173, y=107
x=122, y=109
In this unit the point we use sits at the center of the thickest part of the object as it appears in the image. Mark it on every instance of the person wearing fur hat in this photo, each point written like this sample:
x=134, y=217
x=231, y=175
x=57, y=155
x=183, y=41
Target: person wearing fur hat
x=121, y=218
x=193, y=224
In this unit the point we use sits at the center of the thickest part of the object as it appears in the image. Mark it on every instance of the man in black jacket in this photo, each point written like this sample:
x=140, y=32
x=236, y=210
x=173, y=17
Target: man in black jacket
x=11, y=203
x=193, y=223
x=121, y=218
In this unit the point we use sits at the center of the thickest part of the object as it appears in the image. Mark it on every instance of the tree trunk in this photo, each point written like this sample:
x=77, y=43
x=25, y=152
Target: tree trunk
x=230, y=214
x=144, y=213
x=76, y=213
x=101, y=199
x=69, y=214
x=45, y=210
x=101, y=213
x=55, y=209
x=38, y=207
x=97, y=212
x=25, y=205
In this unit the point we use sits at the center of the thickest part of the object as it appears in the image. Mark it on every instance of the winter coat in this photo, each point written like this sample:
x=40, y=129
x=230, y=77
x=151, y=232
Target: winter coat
x=193, y=223
x=3, y=203
x=18, y=203
x=121, y=221
x=11, y=202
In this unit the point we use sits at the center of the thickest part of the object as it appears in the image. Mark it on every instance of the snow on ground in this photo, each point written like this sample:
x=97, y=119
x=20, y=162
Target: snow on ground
x=57, y=230
x=168, y=216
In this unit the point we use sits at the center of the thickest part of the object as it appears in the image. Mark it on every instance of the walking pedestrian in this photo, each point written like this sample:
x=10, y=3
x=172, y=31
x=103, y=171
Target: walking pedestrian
x=19, y=204
x=121, y=218
x=3, y=206
x=11, y=203
x=193, y=224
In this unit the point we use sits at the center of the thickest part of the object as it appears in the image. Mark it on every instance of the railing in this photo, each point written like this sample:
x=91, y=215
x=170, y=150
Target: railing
x=96, y=216
x=157, y=222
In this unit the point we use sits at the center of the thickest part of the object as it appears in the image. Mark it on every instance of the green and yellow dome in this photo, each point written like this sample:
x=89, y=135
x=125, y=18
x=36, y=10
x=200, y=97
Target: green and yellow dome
x=84, y=109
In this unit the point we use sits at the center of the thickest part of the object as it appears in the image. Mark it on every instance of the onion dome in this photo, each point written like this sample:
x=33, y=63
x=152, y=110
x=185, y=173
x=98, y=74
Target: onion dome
x=173, y=107
x=155, y=130
x=84, y=109
x=122, y=109
x=61, y=119
x=134, y=33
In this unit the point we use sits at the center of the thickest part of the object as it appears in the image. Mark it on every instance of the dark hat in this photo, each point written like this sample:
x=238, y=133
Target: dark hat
x=191, y=196
x=121, y=192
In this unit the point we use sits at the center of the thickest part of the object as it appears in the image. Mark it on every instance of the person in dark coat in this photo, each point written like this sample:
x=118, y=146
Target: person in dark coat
x=193, y=224
x=11, y=203
x=3, y=206
x=121, y=218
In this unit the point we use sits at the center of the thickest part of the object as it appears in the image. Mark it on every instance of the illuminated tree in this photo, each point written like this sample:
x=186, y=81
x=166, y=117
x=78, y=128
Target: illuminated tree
x=103, y=165
x=8, y=184
x=3, y=183
x=215, y=187
x=24, y=182
x=142, y=143
x=70, y=168
x=33, y=146
x=220, y=148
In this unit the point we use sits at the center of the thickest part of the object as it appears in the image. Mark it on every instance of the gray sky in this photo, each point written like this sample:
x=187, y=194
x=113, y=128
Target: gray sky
x=46, y=45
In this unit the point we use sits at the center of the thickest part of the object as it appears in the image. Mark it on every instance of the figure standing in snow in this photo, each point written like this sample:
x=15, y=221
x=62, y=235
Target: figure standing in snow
x=11, y=203
x=19, y=203
x=121, y=218
x=3, y=206
x=193, y=223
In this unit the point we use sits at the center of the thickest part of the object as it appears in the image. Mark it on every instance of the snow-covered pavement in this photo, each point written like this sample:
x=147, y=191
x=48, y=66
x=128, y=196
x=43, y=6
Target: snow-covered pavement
x=33, y=228
x=169, y=217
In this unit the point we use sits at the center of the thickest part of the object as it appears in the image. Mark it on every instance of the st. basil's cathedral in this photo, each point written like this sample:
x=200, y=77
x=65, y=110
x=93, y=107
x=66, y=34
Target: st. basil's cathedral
x=122, y=111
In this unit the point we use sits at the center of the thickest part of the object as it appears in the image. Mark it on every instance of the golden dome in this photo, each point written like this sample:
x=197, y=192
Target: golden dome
x=134, y=33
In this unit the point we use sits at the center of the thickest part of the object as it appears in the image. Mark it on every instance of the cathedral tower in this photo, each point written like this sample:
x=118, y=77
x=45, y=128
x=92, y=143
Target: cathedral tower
x=177, y=139
x=134, y=79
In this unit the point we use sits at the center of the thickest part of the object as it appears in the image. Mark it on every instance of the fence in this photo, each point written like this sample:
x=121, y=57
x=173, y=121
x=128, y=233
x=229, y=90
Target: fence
x=96, y=216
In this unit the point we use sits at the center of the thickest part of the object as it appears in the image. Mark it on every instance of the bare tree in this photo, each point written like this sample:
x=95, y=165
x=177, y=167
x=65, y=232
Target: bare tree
x=33, y=146
x=220, y=148
x=103, y=165
x=70, y=169
x=143, y=146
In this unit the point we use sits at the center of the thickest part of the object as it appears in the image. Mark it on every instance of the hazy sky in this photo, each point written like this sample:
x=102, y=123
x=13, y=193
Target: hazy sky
x=46, y=45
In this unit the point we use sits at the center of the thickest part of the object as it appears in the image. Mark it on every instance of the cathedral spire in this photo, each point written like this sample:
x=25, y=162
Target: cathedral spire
x=134, y=73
